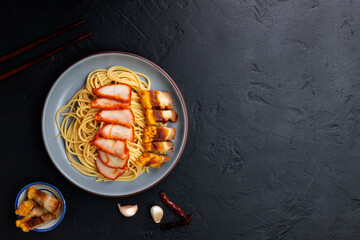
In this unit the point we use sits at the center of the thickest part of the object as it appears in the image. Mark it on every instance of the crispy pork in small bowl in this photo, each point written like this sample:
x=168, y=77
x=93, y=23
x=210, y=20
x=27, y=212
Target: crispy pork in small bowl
x=40, y=207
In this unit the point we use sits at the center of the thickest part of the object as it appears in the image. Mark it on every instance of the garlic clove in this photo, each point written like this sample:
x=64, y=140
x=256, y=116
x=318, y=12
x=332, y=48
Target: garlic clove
x=128, y=210
x=156, y=213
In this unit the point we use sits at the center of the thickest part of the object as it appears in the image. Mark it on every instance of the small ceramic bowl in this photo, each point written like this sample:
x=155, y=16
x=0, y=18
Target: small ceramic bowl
x=51, y=190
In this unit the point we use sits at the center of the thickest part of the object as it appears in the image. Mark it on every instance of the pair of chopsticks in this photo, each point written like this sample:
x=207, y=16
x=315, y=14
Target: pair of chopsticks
x=39, y=59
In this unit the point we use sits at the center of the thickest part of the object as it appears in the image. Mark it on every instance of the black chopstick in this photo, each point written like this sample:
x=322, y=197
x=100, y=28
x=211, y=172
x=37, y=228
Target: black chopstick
x=31, y=45
x=39, y=59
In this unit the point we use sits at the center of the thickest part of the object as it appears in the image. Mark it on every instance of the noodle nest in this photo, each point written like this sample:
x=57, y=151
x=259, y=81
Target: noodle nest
x=78, y=126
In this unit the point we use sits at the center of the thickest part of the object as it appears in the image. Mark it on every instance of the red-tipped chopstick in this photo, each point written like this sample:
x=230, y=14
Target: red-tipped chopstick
x=31, y=45
x=39, y=59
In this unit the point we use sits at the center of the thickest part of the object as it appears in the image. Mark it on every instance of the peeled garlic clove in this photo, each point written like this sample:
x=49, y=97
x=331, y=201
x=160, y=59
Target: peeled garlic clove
x=156, y=213
x=128, y=211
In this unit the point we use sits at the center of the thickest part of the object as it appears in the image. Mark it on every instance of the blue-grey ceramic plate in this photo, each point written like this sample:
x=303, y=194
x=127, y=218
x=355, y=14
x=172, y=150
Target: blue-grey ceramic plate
x=74, y=79
x=51, y=190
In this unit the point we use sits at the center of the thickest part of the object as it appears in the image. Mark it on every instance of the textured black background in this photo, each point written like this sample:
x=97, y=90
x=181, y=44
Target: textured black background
x=271, y=88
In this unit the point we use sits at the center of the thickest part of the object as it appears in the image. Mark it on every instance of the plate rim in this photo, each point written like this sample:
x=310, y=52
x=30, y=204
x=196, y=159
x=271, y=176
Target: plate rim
x=62, y=201
x=159, y=69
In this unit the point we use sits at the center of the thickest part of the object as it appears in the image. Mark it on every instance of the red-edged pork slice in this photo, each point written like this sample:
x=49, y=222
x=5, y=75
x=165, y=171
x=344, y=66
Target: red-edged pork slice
x=114, y=147
x=117, y=132
x=120, y=92
x=110, y=173
x=109, y=104
x=112, y=161
x=123, y=117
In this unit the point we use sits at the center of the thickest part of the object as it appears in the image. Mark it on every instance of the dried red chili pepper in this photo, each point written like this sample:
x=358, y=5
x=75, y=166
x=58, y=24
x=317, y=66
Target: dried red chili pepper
x=167, y=226
x=173, y=206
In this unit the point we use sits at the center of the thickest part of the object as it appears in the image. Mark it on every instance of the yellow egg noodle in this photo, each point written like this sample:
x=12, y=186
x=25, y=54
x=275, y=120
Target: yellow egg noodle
x=79, y=127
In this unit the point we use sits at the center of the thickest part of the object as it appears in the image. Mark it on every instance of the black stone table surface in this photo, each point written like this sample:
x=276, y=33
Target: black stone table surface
x=272, y=90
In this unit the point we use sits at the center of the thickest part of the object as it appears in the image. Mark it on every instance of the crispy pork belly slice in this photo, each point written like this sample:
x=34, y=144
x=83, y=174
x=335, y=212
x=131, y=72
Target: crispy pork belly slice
x=155, y=99
x=109, y=104
x=123, y=117
x=25, y=208
x=119, y=91
x=166, y=146
x=114, y=147
x=48, y=202
x=152, y=159
x=158, y=134
x=108, y=172
x=35, y=212
x=34, y=221
x=117, y=132
x=31, y=223
x=152, y=116
x=112, y=161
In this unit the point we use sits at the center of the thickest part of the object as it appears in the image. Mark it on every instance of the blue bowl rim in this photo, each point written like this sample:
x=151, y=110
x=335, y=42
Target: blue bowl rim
x=62, y=200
